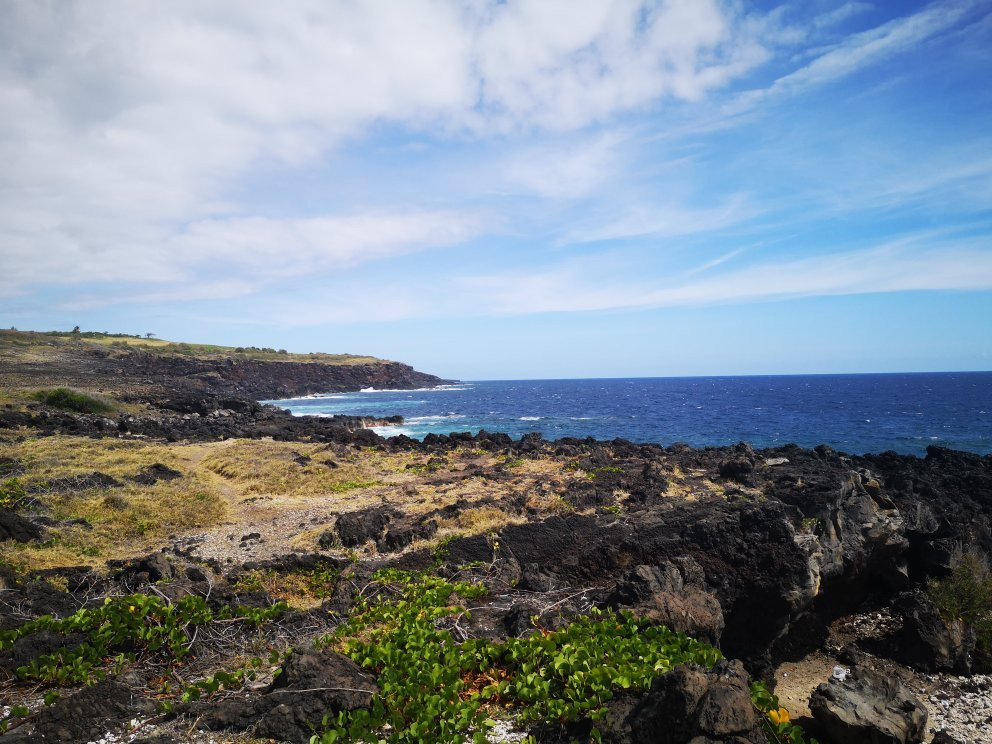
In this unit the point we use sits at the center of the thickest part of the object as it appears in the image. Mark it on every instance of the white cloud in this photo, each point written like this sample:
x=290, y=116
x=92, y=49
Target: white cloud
x=219, y=290
x=126, y=125
x=256, y=251
x=285, y=248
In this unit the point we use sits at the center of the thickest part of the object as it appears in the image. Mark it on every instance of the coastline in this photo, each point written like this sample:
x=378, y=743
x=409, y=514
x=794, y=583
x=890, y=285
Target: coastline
x=782, y=557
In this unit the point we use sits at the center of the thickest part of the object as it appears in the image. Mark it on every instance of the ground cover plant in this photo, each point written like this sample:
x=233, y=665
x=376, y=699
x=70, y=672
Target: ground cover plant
x=124, y=630
x=142, y=623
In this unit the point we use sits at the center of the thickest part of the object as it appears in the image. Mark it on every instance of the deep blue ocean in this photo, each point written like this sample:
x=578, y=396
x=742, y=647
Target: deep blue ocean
x=852, y=413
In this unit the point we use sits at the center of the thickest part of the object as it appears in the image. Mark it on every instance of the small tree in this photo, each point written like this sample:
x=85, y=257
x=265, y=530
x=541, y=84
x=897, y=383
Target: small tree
x=75, y=330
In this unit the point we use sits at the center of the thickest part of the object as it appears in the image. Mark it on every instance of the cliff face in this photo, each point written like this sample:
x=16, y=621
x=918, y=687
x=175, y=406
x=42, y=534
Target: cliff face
x=256, y=379
x=150, y=376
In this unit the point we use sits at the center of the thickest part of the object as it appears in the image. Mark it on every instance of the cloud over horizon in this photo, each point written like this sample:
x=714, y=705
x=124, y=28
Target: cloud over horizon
x=515, y=157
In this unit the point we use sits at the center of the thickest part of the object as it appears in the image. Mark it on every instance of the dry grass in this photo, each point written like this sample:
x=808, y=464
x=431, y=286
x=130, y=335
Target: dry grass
x=480, y=520
x=123, y=520
x=261, y=467
x=548, y=503
x=28, y=345
x=300, y=589
x=251, y=485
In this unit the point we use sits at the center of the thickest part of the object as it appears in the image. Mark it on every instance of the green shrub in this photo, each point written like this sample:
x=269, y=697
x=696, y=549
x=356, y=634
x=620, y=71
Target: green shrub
x=11, y=493
x=966, y=596
x=72, y=400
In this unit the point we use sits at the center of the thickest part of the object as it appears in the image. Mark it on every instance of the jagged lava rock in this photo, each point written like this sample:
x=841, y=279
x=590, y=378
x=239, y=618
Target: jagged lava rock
x=312, y=685
x=866, y=707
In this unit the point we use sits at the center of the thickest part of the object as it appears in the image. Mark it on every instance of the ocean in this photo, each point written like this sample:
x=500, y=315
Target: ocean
x=852, y=413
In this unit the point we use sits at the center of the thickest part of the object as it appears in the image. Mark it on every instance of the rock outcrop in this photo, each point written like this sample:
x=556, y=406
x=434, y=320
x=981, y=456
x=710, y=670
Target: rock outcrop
x=312, y=684
x=694, y=705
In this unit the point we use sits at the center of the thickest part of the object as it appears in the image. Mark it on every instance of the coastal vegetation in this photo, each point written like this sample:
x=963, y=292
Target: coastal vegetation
x=45, y=343
x=72, y=400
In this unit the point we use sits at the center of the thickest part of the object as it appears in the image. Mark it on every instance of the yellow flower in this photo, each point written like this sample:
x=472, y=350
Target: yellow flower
x=779, y=716
x=132, y=609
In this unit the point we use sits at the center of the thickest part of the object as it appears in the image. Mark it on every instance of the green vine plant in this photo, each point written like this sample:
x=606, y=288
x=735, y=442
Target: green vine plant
x=435, y=688
x=139, y=622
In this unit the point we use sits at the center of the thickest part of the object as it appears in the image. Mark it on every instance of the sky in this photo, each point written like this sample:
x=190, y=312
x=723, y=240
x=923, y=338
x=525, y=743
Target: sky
x=507, y=190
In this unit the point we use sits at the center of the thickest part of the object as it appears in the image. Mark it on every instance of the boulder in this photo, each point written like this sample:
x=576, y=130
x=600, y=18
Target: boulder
x=696, y=704
x=156, y=472
x=357, y=527
x=738, y=469
x=866, y=707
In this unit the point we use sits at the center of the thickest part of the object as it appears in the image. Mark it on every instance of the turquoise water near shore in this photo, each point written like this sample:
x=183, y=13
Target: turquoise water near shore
x=853, y=413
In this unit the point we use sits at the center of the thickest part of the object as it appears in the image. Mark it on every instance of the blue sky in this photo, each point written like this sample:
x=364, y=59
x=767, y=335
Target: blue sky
x=508, y=190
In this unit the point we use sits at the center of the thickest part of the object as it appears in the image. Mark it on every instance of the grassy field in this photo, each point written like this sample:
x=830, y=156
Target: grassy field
x=43, y=344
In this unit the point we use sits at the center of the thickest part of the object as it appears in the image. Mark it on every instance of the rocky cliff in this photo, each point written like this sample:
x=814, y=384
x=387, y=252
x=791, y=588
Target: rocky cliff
x=153, y=374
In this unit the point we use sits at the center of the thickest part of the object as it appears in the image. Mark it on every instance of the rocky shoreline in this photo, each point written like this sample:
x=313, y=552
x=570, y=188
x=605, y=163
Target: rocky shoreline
x=771, y=555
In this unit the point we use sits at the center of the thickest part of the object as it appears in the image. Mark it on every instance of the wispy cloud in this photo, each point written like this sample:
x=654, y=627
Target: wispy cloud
x=889, y=268
x=869, y=47
x=663, y=220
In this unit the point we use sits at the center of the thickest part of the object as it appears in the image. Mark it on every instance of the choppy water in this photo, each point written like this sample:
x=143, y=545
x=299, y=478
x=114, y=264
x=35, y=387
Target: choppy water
x=853, y=413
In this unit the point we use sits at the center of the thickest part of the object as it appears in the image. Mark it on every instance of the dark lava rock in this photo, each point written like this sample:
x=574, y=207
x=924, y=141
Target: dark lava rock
x=32, y=599
x=357, y=527
x=736, y=469
x=30, y=647
x=156, y=472
x=146, y=570
x=746, y=551
x=691, y=704
x=942, y=737
x=10, y=467
x=312, y=684
x=672, y=594
x=926, y=641
x=96, y=479
x=86, y=715
x=15, y=527
x=404, y=531
x=869, y=708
